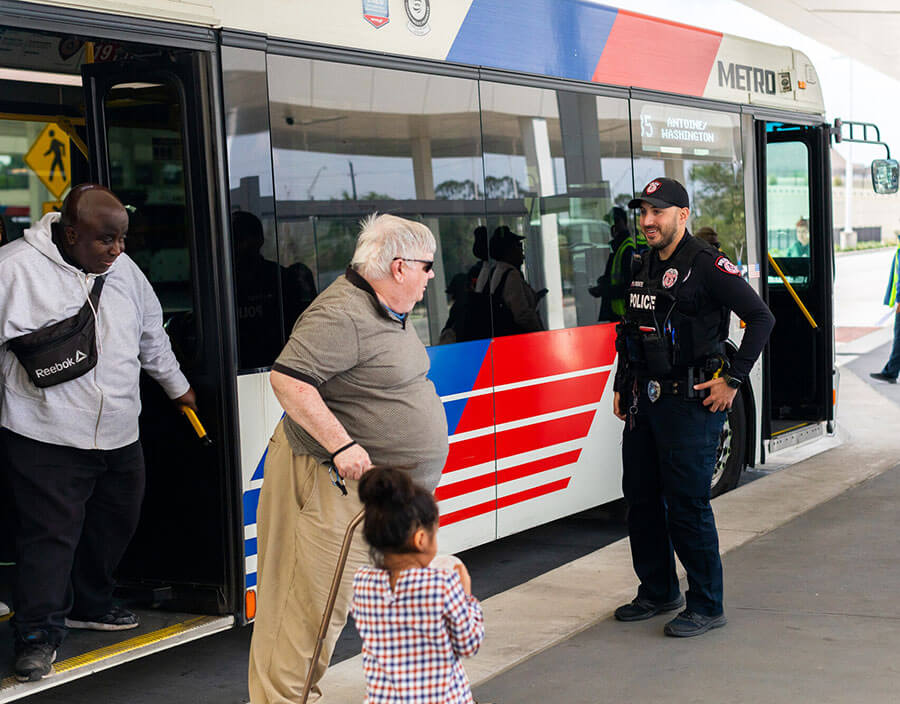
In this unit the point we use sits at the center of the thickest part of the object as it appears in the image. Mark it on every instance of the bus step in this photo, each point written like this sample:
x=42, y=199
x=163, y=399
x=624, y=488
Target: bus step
x=795, y=435
x=102, y=658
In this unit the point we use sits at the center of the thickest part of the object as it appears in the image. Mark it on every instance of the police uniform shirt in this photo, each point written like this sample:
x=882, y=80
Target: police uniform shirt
x=715, y=282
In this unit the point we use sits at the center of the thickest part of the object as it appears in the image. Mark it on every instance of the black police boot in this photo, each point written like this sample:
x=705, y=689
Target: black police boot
x=641, y=609
x=689, y=623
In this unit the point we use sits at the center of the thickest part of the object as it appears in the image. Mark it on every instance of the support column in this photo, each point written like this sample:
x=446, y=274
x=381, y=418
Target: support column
x=546, y=272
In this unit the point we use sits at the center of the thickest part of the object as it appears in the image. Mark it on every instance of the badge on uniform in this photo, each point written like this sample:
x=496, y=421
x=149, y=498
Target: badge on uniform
x=654, y=390
x=669, y=278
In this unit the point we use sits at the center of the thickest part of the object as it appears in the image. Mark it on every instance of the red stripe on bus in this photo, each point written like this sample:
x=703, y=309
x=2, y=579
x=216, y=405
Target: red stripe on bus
x=515, y=404
x=478, y=413
x=540, y=354
x=468, y=512
x=484, y=481
x=538, y=435
x=543, y=465
x=629, y=59
x=466, y=453
x=533, y=493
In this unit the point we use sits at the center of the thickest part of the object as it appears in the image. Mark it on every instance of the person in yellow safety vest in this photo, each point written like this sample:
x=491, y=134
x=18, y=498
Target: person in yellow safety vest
x=610, y=287
x=892, y=368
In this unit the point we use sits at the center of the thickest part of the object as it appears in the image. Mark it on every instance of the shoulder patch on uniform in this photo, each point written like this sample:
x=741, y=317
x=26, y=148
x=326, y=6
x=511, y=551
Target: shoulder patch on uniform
x=724, y=263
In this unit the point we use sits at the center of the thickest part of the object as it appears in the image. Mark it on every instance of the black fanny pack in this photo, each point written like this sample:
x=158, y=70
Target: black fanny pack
x=63, y=351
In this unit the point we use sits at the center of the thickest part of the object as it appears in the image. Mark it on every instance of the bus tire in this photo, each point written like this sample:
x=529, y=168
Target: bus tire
x=731, y=450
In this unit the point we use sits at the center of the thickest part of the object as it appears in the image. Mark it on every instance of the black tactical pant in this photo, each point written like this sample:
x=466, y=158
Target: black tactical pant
x=76, y=512
x=668, y=457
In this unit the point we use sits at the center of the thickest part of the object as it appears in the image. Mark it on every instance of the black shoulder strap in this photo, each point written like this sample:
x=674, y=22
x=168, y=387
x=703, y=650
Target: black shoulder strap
x=96, y=290
x=502, y=280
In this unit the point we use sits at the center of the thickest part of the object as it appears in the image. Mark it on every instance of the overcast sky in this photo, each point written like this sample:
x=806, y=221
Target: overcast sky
x=865, y=102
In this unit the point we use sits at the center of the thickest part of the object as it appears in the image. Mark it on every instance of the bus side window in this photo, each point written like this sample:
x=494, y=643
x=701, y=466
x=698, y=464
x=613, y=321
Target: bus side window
x=554, y=179
x=349, y=141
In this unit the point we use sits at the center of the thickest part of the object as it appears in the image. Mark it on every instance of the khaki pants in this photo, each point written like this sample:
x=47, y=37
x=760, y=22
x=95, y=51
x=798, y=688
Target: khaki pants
x=301, y=522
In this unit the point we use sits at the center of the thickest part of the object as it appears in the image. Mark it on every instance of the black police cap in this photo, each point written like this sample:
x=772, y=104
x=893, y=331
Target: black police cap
x=662, y=193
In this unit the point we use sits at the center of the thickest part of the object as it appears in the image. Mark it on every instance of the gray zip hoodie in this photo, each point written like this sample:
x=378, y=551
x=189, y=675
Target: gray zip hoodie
x=98, y=410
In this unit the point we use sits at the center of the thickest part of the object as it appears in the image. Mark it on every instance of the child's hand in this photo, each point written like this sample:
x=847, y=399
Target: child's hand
x=464, y=578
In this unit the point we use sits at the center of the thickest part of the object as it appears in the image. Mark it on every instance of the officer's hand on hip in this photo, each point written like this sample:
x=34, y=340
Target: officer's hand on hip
x=721, y=395
x=617, y=406
x=353, y=462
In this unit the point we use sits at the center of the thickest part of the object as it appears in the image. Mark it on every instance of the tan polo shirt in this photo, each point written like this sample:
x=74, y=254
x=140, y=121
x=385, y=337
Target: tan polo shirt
x=371, y=372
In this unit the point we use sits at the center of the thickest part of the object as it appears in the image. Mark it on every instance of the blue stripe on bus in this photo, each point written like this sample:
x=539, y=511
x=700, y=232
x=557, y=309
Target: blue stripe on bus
x=454, y=368
x=251, y=501
x=454, y=410
x=258, y=472
x=563, y=37
x=249, y=547
x=250, y=581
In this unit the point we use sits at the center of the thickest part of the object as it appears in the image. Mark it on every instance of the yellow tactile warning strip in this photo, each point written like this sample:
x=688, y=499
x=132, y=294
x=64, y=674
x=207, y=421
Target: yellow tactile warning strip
x=125, y=646
x=793, y=427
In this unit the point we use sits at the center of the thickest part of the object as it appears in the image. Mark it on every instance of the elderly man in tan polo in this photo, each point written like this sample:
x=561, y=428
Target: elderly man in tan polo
x=352, y=381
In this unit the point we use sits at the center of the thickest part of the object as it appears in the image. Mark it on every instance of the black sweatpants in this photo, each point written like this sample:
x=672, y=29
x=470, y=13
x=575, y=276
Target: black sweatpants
x=76, y=512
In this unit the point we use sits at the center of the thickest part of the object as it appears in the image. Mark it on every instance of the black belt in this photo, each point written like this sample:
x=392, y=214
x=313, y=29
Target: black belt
x=654, y=388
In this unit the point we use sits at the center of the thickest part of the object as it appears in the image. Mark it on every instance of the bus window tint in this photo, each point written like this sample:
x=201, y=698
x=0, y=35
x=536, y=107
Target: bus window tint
x=702, y=150
x=146, y=171
x=348, y=141
x=261, y=324
x=787, y=211
x=556, y=163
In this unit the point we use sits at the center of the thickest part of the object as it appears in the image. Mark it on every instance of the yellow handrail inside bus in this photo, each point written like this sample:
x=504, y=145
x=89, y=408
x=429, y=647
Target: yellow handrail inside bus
x=197, y=425
x=66, y=124
x=791, y=291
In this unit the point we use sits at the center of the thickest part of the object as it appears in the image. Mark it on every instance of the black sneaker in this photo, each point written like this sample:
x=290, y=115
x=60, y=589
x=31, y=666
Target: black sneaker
x=34, y=661
x=883, y=377
x=116, y=619
x=640, y=609
x=688, y=623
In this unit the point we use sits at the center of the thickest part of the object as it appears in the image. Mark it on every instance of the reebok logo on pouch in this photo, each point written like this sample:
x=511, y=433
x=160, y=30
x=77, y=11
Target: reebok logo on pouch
x=64, y=350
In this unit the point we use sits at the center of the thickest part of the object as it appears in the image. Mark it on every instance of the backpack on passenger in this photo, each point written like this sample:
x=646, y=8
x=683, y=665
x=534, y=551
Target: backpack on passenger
x=478, y=310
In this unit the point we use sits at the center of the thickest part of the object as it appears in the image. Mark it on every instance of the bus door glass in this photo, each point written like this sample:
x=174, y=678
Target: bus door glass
x=797, y=281
x=146, y=148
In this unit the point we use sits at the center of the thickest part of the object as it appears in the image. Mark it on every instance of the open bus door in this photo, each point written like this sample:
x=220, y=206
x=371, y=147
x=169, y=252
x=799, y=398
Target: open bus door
x=147, y=123
x=797, y=277
x=145, y=141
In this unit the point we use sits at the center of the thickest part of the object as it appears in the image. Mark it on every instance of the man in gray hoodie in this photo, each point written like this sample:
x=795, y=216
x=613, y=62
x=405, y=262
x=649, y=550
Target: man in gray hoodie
x=76, y=467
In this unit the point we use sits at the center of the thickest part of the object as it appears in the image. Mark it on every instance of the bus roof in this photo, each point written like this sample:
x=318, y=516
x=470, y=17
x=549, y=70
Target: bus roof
x=575, y=39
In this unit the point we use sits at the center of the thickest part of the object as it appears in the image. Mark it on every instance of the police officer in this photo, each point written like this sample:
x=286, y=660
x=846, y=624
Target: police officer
x=673, y=386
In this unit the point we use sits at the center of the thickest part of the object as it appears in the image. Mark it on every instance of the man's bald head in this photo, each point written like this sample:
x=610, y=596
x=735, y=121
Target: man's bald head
x=86, y=196
x=93, y=223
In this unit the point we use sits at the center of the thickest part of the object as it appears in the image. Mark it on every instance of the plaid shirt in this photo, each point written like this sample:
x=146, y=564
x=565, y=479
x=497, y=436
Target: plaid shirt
x=414, y=636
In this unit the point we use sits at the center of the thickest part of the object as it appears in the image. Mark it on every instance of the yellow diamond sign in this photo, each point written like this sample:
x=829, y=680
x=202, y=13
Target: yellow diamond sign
x=49, y=159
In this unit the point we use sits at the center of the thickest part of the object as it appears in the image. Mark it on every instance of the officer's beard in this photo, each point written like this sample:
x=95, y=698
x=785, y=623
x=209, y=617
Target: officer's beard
x=666, y=236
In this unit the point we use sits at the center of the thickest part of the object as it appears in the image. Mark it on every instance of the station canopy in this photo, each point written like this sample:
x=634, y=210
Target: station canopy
x=865, y=30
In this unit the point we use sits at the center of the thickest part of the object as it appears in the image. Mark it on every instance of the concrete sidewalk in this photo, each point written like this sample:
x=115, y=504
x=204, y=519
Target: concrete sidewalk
x=813, y=617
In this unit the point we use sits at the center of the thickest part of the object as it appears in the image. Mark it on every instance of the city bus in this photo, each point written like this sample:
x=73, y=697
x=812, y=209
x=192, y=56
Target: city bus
x=248, y=140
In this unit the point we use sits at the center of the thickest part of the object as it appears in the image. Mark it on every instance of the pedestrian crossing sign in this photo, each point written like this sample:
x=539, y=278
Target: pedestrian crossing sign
x=49, y=159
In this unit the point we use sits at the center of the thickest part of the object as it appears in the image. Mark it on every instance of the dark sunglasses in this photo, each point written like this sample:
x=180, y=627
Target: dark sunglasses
x=428, y=263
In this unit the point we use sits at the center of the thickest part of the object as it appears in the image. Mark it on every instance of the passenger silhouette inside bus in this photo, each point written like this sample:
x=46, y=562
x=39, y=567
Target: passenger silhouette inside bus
x=514, y=303
x=261, y=326
x=611, y=285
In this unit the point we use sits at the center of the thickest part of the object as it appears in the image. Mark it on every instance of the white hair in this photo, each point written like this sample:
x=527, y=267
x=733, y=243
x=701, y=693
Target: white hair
x=384, y=238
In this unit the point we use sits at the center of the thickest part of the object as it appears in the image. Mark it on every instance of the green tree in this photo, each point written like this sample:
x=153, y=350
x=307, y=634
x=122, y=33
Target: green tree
x=719, y=204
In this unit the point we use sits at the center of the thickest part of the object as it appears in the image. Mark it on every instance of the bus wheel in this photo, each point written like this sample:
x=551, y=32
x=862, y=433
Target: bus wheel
x=730, y=453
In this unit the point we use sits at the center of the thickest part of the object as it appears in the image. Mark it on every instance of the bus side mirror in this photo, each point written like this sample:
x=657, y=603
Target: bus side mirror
x=885, y=175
